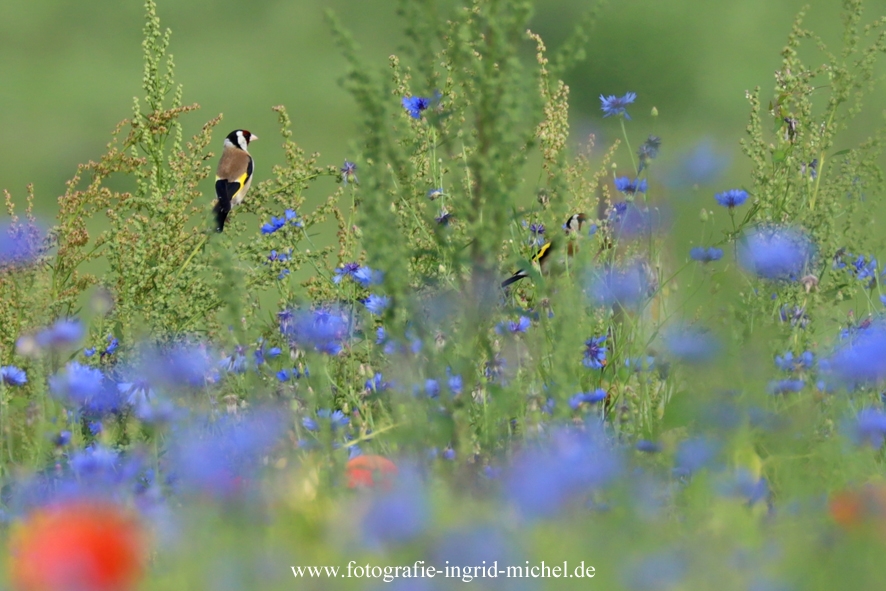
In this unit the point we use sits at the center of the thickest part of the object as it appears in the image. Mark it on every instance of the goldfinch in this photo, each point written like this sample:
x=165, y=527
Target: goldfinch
x=234, y=174
x=543, y=255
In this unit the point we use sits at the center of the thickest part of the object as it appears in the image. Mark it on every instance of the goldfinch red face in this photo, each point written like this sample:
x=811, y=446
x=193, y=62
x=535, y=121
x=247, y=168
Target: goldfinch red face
x=240, y=139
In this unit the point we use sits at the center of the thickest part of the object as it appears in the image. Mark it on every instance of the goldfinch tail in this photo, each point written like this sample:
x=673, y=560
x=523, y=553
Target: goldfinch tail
x=514, y=278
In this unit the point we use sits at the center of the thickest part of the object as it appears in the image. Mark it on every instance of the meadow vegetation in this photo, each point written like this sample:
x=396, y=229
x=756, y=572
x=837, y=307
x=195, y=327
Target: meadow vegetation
x=234, y=406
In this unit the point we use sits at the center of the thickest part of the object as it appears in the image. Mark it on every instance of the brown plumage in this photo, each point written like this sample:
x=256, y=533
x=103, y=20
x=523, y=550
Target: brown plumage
x=234, y=174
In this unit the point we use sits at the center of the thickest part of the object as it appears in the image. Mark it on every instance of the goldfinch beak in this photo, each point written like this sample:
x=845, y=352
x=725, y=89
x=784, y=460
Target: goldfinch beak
x=253, y=137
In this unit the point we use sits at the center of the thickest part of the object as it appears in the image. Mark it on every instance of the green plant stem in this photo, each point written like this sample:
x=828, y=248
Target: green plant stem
x=624, y=132
x=190, y=257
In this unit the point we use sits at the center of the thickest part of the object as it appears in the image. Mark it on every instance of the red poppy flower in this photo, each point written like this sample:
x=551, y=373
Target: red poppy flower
x=370, y=471
x=82, y=546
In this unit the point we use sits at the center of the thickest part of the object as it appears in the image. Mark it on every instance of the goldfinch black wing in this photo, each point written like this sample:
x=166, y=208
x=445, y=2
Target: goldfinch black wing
x=539, y=257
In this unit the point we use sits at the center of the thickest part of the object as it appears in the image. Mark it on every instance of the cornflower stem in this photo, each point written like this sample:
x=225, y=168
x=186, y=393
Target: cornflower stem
x=624, y=132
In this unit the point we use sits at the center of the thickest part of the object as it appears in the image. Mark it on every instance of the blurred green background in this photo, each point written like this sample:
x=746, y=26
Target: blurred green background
x=69, y=71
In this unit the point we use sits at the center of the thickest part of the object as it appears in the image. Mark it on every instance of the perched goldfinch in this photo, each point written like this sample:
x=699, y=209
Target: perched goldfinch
x=543, y=255
x=234, y=174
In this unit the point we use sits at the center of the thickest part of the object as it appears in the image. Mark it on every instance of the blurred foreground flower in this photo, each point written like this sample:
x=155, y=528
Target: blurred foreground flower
x=859, y=360
x=691, y=344
x=396, y=515
x=324, y=330
x=370, y=471
x=78, y=546
x=776, y=253
x=221, y=459
x=855, y=508
x=567, y=467
x=625, y=286
x=20, y=243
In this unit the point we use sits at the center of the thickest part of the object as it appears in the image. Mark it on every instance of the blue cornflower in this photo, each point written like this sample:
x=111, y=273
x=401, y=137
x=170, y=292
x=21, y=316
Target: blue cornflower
x=514, y=326
x=864, y=269
x=595, y=355
x=455, y=382
x=786, y=386
x=376, y=383
x=691, y=345
x=414, y=105
x=625, y=286
x=158, y=412
x=549, y=406
x=181, y=364
x=85, y=387
x=613, y=105
x=235, y=362
x=693, y=455
x=77, y=382
x=649, y=447
x=377, y=304
x=221, y=458
x=775, y=253
x=293, y=218
x=444, y=218
x=706, y=255
x=626, y=185
x=592, y=229
x=618, y=210
x=349, y=173
x=397, y=515
x=362, y=275
x=449, y=454
x=137, y=393
x=13, y=376
x=282, y=274
x=259, y=353
x=284, y=375
x=743, y=484
x=366, y=276
x=537, y=232
x=274, y=225
x=594, y=397
x=810, y=169
x=62, y=439
x=700, y=166
x=630, y=220
x=279, y=256
x=731, y=198
x=325, y=330
x=860, y=359
x=870, y=427
x=787, y=362
x=20, y=244
x=112, y=346
x=647, y=151
x=89, y=352
x=64, y=333
x=336, y=419
x=544, y=479
x=432, y=388
x=346, y=270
